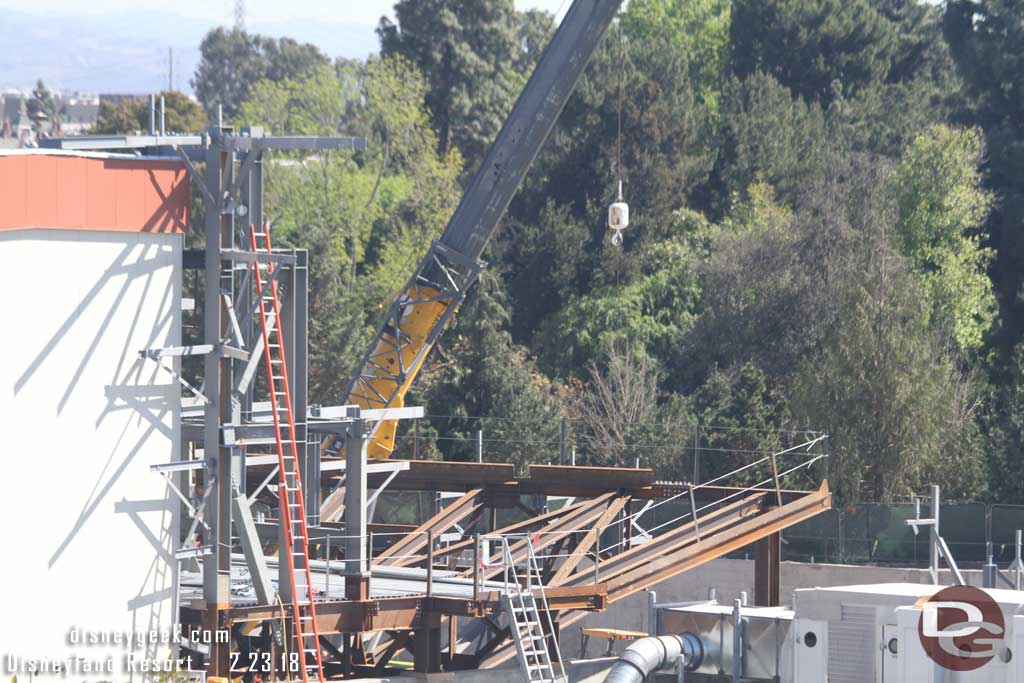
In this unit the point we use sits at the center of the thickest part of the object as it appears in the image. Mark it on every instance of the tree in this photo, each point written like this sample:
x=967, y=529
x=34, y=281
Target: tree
x=887, y=385
x=231, y=61
x=698, y=30
x=643, y=319
x=467, y=49
x=764, y=295
x=942, y=205
x=620, y=417
x=1003, y=421
x=41, y=105
x=808, y=45
x=480, y=379
x=987, y=40
x=181, y=115
x=898, y=410
x=741, y=420
x=767, y=134
x=553, y=246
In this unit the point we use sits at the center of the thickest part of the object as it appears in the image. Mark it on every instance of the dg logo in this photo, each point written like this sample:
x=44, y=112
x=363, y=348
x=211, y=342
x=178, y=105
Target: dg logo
x=961, y=628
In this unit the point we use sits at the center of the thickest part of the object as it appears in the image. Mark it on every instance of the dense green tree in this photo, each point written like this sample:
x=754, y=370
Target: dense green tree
x=644, y=318
x=762, y=296
x=942, y=204
x=741, y=420
x=767, y=134
x=181, y=115
x=898, y=411
x=987, y=39
x=813, y=46
x=697, y=30
x=467, y=49
x=1003, y=421
x=231, y=61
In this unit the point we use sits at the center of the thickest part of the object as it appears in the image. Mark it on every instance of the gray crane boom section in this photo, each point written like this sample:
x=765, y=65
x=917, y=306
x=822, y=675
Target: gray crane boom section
x=528, y=126
x=418, y=315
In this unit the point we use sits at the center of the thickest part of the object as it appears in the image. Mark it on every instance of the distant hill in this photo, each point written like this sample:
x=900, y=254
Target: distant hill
x=126, y=52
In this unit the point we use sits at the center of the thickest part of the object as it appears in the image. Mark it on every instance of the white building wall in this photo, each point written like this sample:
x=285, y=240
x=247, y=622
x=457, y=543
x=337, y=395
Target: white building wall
x=87, y=529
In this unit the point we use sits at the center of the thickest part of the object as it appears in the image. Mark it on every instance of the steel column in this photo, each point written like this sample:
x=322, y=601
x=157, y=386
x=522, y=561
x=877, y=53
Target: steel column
x=767, y=568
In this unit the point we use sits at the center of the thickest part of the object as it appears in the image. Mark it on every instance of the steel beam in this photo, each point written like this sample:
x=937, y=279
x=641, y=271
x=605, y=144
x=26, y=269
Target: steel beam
x=587, y=542
x=404, y=552
x=767, y=568
x=716, y=545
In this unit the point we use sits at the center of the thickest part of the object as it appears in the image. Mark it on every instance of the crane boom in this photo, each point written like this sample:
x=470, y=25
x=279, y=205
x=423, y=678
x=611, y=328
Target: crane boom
x=418, y=315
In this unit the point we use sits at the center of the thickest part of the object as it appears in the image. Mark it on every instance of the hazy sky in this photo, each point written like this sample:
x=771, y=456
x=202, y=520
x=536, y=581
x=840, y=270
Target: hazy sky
x=259, y=11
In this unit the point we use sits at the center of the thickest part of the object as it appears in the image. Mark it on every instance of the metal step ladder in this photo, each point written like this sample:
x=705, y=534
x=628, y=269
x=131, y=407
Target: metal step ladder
x=293, y=507
x=529, y=618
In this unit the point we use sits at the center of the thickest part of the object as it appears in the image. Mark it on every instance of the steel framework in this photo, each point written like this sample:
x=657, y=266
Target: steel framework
x=432, y=589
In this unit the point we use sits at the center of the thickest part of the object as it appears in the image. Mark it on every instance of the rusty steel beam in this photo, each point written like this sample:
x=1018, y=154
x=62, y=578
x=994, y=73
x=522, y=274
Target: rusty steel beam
x=402, y=553
x=575, y=521
x=767, y=571
x=383, y=654
x=600, y=478
x=711, y=522
x=351, y=616
x=518, y=527
x=588, y=540
x=719, y=544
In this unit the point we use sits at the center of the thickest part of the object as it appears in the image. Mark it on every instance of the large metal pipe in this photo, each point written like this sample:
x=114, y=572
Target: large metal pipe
x=647, y=655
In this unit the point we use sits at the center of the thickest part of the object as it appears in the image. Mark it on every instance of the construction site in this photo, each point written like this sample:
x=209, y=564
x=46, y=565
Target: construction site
x=226, y=525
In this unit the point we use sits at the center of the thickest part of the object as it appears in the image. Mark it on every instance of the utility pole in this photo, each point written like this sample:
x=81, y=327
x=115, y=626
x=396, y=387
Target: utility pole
x=170, y=69
x=239, y=15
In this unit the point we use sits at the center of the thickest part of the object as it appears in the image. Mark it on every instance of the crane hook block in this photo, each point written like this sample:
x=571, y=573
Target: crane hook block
x=618, y=216
x=618, y=220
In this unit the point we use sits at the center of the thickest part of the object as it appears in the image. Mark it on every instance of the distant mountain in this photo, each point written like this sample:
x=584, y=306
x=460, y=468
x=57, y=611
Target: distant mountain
x=126, y=52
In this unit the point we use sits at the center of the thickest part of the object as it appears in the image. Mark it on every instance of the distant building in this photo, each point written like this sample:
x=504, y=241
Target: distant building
x=78, y=112
x=15, y=126
x=117, y=98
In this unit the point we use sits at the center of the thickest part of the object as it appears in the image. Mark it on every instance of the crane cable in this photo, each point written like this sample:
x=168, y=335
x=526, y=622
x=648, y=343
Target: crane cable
x=617, y=233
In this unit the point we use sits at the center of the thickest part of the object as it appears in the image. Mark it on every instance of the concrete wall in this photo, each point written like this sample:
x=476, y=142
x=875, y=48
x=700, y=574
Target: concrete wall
x=87, y=528
x=729, y=578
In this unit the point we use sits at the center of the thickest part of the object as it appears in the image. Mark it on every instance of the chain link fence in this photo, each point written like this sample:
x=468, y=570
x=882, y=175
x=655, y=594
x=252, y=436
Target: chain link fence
x=877, y=533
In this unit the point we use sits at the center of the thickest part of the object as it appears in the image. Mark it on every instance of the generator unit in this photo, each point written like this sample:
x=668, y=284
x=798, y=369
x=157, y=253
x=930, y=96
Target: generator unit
x=875, y=633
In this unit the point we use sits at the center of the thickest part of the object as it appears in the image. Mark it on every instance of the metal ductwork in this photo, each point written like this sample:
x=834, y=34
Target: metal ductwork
x=647, y=655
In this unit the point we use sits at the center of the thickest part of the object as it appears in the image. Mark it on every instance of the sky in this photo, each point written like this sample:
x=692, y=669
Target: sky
x=126, y=46
x=258, y=11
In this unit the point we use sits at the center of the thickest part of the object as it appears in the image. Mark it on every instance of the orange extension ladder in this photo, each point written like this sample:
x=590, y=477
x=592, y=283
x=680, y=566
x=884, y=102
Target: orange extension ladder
x=293, y=507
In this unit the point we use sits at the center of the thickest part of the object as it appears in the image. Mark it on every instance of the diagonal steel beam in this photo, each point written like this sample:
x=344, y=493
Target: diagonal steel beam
x=518, y=527
x=588, y=540
x=682, y=536
x=403, y=553
x=716, y=545
x=577, y=521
